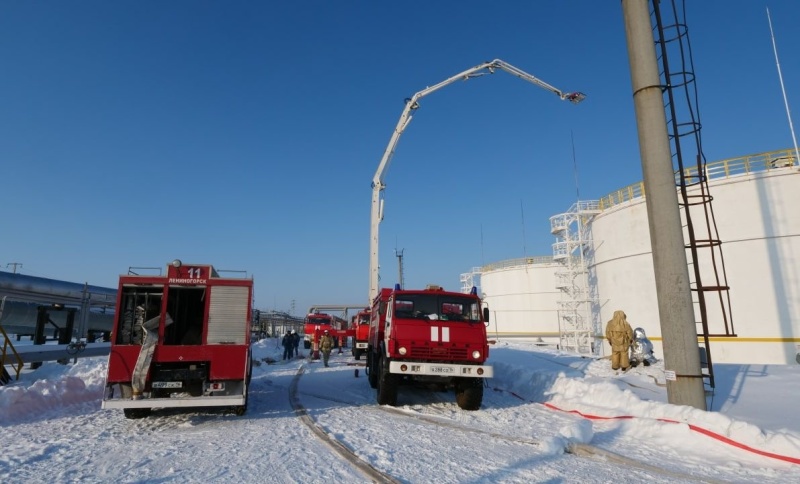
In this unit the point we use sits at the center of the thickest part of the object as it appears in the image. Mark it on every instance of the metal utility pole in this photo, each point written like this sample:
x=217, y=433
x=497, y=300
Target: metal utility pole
x=15, y=265
x=675, y=308
x=399, y=255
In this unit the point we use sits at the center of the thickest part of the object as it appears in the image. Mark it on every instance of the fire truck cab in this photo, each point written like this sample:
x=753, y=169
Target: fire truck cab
x=361, y=331
x=428, y=336
x=180, y=340
x=315, y=322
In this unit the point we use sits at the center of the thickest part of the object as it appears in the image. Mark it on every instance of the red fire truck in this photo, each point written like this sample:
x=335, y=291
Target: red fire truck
x=360, y=327
x=314, y=322
x=180, y=340
x=428, y=336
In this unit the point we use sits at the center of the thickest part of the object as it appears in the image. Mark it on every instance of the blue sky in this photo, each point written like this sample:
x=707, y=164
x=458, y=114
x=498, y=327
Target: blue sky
x=246, y=134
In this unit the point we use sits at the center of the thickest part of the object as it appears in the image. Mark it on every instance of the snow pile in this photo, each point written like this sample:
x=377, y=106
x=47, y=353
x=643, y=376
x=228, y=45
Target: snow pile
x=619, y=410
x=56, y=388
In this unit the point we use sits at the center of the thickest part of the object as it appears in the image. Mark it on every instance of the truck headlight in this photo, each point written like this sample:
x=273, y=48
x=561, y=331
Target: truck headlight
x=402, y=350
x=476, y=354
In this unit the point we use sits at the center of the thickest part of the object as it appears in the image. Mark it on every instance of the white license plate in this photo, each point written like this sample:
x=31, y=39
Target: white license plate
x=442, y=369
x=167, y=384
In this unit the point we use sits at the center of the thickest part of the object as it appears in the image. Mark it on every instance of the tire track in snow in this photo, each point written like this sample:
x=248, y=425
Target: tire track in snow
x=440, y=418
x=334, y=444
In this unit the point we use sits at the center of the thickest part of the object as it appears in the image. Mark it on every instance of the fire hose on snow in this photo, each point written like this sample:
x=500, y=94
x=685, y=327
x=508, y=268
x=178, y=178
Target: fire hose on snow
x=695, y=428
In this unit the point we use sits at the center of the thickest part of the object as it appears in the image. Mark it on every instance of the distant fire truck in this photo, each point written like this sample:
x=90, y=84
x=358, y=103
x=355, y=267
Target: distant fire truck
x=430, y=336
x=360, y=326
x=315, y=322
x=180, y=340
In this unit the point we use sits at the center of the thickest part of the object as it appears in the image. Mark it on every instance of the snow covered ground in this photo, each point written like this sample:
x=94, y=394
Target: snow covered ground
x=547, y=416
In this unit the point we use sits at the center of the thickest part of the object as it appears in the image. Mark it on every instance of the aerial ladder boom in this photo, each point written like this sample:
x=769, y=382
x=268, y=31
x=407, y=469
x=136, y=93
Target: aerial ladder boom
x=412, y=104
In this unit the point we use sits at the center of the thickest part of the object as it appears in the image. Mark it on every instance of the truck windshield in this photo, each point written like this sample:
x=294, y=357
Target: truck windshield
x=437, y=307
x=319, y=321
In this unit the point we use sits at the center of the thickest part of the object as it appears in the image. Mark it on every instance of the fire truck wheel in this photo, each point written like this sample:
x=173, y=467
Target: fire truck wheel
x=136, y=412
x=307, y=345
x=387, y=385
x=195, y=388
x=240, y=410
x=469, y=393
x=357, y=354
x=372, y=373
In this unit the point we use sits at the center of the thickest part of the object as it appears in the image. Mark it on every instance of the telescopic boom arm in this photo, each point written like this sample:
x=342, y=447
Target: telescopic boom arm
x=411, y=105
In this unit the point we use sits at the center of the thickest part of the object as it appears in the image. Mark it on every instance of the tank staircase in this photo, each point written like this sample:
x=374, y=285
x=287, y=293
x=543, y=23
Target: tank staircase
x=471, y=279
x=578, y=323
x=702, y=242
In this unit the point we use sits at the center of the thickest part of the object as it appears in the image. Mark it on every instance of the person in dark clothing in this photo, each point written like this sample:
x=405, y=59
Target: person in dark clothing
x=296, y=342
x=288, y=345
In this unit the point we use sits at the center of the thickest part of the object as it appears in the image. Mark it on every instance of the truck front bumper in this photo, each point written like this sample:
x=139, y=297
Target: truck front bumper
x=440, y=369
x=221, y=401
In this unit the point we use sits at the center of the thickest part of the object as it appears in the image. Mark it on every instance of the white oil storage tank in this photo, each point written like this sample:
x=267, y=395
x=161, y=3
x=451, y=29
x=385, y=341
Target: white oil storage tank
x=755, y=319
x=521, y=296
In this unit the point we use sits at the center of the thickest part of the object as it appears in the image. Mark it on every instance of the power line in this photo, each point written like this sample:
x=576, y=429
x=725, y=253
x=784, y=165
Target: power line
x=15, y=265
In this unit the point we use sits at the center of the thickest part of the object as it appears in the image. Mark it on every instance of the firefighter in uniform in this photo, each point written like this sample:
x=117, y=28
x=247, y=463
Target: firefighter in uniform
x=620, y=336
x=325, y=346
x=642, y=349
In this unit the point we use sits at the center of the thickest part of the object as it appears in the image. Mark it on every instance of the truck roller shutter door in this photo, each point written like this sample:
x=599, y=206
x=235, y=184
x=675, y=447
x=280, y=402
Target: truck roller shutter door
x=227, y=316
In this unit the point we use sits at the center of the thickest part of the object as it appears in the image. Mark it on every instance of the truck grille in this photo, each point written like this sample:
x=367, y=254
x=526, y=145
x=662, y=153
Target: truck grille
x=438, y=353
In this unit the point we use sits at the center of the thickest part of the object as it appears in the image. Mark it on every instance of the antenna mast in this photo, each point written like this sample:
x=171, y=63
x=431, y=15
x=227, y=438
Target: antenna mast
x=399, y=255
x=522, y=216
x=783, y=90
x=575, y=167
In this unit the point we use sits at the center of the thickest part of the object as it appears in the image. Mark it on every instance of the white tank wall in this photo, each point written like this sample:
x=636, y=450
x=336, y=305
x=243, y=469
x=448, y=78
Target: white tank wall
x=522, y=301
x=760, y=230
x=759, y=225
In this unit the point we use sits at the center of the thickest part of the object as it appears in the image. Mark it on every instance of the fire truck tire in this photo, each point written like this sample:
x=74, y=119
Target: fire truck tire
x=387, y=385
x=307, y=345
x=195, y=388
x=357, y=354
x=126, y=392
x=372, y=373
x=469, y=393
x=136, y=412
x=240, y=410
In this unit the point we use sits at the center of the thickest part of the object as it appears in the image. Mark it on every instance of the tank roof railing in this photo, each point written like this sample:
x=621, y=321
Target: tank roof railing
x=522, y=261
x=727, y=168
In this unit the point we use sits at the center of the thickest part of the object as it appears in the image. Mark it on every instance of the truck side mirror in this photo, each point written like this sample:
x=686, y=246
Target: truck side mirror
x=486, y=315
